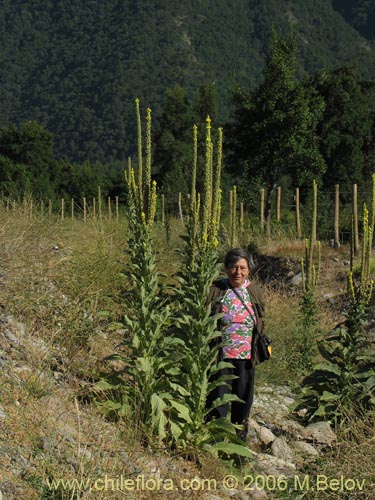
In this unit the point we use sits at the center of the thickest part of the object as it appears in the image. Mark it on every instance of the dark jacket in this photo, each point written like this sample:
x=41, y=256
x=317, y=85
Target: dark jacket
x=217, y=292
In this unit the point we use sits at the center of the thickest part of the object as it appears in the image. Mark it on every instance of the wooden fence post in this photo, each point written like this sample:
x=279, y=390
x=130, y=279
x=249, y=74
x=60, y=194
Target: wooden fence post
x=94, y=208
x=298, y=216
x=117, y=209
x=189, y=205
x=72, y=208
x=84, y=209
x=234, y=215
x=337, y=216
x=162, y=209
x=315, y=212
x=242, y=228
x=278, y=203
x=62, y=208
x=180, y=206
x=230, y=210
x=99, y=203
x=355, y=218
x=262, y=210
x=109, y=208
x=49, y=208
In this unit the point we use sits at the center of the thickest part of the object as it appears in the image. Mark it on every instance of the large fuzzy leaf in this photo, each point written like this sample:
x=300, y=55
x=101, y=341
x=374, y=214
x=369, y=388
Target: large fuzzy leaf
x=231, y=449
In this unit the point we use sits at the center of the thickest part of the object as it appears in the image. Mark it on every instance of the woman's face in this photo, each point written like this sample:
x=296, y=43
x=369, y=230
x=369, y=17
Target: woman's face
x=238, y=272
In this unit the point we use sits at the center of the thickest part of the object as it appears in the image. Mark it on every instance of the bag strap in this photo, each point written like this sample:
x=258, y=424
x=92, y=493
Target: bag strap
x=243, y=302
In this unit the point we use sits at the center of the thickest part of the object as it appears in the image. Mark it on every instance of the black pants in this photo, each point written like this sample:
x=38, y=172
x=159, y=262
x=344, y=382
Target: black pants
x=243, y=387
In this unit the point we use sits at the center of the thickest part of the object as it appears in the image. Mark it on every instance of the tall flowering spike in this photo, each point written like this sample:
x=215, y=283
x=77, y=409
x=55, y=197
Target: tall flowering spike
x=372, y=222
x=194, y=173
x=234, y=215
x=215, y=223
x=128, y=173
x=152, y=206
x=351, y=290
x=139, y=144
x=207, y=202
x=217, y=179
x=218, y=211
x=147, y=179
x=303, y=274
x=319, y=264
x=364, y=253
x=134, y=189
x=369, y=292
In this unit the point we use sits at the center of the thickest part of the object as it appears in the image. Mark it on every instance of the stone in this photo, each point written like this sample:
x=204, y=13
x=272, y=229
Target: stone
x=271, y=465
x=66, y=431
x=210, y=496
x=2, y=413
x=266, y=436
x=296, y=280
x=320, y=432
x=281, y=449
x=258, y=495
x=46, y=443
x=305, y=448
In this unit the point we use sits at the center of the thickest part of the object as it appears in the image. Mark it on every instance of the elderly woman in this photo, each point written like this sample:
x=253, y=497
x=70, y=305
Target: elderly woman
x=240, y=301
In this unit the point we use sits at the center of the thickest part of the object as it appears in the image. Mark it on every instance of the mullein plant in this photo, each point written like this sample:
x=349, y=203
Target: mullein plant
x=194, y=324
x=304, y=337
x=149, y=369
x=343, y=385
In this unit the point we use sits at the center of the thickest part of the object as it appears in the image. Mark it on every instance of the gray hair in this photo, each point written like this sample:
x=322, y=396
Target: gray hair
x=234, y=255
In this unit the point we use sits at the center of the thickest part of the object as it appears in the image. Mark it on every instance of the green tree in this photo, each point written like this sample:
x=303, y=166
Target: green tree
x=345, y=128
x=273, y=131
x=81, y=180
x=206, y=103
x=173, y=143
x=29, y=148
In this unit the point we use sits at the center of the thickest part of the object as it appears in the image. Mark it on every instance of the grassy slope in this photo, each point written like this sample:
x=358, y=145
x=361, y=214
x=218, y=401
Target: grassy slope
x=62, y=280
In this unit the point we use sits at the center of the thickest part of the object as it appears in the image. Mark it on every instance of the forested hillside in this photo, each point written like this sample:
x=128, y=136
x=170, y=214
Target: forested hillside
x=76, y=67
x=360, y=14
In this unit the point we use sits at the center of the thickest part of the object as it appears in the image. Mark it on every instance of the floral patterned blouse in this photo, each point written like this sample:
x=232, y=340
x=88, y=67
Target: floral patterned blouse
x=237, y=323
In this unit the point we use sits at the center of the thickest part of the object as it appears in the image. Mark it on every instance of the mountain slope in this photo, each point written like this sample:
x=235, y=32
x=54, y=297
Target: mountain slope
x=77, y=66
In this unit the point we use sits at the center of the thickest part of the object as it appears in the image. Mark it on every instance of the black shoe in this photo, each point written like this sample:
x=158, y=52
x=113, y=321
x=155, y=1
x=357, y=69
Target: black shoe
x=242, y=433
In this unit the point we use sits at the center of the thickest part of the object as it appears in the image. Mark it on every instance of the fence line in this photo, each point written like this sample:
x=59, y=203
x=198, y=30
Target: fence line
x=334, y=226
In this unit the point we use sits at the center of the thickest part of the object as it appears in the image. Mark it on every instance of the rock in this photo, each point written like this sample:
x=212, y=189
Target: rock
x=346, y=262
x=66, y=431
x=320, y=432
x=46, y=443
x=266, y=436
x=11, y=337
x=281, y=449
x=296, y=280
x=258, y=495
x=330, y=298
x=305, y=448
x=273, y=466
x=2, y=413
x=239, y=495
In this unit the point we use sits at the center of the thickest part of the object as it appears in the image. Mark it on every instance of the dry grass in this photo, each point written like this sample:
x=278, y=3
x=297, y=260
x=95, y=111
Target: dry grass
x=352, y=459
x=62, y=279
